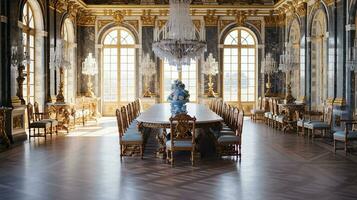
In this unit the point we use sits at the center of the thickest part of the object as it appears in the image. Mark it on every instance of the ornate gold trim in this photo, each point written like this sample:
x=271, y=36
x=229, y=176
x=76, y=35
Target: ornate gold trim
x=339, y=101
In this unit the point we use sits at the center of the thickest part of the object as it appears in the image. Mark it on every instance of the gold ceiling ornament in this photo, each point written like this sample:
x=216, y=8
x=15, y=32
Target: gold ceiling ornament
x=163, y=12
x=161, y=23
x=224, y=23
x=241, y=17
x=102, y=23
x=210, y=18
x=329, y=2
x=256, y=23
x=147, y=19
x=301, y=9
x=118, y=16
x=134, y=23
x=86, y=19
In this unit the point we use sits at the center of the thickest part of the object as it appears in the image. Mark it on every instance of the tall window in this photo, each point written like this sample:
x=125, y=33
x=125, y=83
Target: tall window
x=294, y=39
x=64, y=33
x=239, y=64
x=188, y=76
x=119, y=66
x=318, y=60
x=28, y=36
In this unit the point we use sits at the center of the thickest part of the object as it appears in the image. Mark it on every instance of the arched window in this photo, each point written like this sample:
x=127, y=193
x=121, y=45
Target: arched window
x=188, y=76
x=67, y=33
x=294, y=40
x=28, y=36
x=119, y=72
x=239, y=66
x=318, y=60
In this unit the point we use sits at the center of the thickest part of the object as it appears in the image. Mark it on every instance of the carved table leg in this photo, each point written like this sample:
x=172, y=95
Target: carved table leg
x=161, y=138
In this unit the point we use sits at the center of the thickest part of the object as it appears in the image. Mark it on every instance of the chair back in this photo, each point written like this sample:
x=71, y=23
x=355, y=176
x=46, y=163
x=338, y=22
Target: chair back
x=328, y=113
x=271, y=108
x=30, y=113
x=124, y=117
x=260, y=104
x=182, y=128
x=240, y=121
x=119, y=122
x=265, y=103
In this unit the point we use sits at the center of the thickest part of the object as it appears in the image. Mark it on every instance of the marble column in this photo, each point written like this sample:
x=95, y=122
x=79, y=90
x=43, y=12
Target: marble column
x=212, y=38
x=146, y=42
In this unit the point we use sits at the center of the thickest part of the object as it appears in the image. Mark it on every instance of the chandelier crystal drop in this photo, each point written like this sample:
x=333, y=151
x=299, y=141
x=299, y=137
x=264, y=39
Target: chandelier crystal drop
x=58, y=58
x=178, y=41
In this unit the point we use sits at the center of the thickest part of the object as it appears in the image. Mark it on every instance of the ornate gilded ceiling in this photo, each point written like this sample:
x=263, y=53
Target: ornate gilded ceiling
x=123, y=2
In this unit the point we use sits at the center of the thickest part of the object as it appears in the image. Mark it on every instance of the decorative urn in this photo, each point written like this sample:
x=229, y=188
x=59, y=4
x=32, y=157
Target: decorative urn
x=178, y=97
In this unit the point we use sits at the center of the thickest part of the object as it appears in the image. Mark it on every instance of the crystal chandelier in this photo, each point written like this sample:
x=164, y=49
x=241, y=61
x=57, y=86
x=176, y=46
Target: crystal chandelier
x=289, y=62
x=352, y=62
x=148, y=70
x=57, y=57
x=89, y=68
x=268, y=68
x=58, y=61
x=177, y=42
x=210, y=68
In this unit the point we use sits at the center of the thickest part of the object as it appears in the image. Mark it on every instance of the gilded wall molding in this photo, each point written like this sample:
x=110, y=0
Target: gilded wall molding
x=147, y=19
x=86, y=20
x=211, y=19
x=223, y=24
x=102, y=23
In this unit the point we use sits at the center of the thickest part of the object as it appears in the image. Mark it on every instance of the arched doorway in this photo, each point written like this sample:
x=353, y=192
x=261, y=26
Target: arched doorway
x=68, y=36
x=118, y=69
x=240, y=67
x=294, y=40
x=318, y=60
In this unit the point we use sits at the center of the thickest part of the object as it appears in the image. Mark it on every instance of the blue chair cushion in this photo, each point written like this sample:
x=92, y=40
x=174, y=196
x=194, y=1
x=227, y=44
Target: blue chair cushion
x=132, y=138
x=179, y=143
x=314, y=125
x=228, y=139
x=300, y=123
x=268, y=114
x=340, y=135
x=223, y=132
x=257, y=111
x=279, y=118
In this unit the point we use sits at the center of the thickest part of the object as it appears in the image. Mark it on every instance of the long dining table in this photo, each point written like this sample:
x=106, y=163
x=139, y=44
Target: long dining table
x=157, y=117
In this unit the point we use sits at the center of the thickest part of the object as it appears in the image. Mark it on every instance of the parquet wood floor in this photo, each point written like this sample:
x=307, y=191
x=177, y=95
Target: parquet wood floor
x=86, y=165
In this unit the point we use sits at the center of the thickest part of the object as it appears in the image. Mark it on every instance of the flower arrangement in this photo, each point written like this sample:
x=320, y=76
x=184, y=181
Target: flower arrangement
x=178, y=97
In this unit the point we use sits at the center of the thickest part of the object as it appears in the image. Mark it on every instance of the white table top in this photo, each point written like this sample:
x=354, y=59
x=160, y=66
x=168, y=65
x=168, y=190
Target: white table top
x=161, y=113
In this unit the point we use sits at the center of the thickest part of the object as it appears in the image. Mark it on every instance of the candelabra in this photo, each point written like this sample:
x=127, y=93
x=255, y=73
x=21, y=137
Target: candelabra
x=148, y=70
x=268, y=68
x=288, y=63
x=19, y=60
x=352, y=61
x=58, y=61
x=210, y=68
x=89, y=68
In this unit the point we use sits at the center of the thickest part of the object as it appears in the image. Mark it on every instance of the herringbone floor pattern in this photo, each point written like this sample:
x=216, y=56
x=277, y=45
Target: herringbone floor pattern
x=86, y=165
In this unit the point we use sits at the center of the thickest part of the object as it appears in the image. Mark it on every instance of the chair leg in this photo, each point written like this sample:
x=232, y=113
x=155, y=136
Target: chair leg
x=346, y=142
x=192, y=158
x=141, y=151
x=45, y=133
x=172, y=158
x=334, y=146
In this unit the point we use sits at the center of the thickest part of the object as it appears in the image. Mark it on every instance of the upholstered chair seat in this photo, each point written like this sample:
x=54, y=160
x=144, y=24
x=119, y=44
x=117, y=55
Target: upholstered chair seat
x=279, y=118
x=40, y=124
x=341, y=135
x=228, y=139
x=257, y=111
x=53, y=121
x=268, y=115
x=230, y=132
x=133, y=137
x=179, y=144
x=316, y=125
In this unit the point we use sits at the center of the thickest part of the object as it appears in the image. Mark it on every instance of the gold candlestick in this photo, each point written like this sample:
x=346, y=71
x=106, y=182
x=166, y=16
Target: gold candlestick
x=210, y=92
x=60, y=96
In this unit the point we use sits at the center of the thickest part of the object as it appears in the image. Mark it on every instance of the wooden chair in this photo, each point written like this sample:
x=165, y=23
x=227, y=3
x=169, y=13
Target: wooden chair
x=324, y=125
x=130, y=142
x=278, y=117
x=34, y=123
x=182, y=136
x=269, y=115
x=258, y=113
x=346, y=136
x=43, y=116
x=230, y=145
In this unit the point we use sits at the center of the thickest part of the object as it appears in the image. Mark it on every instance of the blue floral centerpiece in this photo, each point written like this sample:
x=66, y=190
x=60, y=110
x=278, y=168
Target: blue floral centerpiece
x=178, y=97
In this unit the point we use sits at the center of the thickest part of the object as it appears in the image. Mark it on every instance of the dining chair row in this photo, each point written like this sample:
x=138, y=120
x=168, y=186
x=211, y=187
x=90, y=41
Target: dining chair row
x=130, y=138
x=229, y=138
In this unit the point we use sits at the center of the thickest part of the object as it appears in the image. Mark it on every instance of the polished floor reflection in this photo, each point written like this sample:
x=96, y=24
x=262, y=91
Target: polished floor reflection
x=86, y=165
